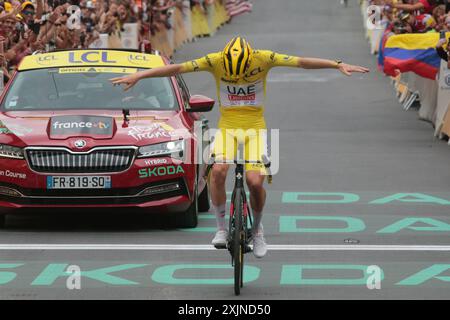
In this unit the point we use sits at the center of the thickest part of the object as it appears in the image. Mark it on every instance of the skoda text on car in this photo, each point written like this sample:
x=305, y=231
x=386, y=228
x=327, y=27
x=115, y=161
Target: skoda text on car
x=68, y=138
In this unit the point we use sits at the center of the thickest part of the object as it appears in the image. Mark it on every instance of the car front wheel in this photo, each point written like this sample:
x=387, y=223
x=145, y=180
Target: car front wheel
x=188, y=219
x=203, y=200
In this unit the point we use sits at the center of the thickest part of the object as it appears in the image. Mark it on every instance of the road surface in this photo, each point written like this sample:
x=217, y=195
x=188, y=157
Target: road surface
x=361, y=183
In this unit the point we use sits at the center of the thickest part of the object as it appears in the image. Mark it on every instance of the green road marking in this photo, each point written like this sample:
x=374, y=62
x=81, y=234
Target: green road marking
x=426, y=274
x=205, y=273
x=406, y=223
x=411, y=198
x=55, y=271
x=296, y=197
x=342, y=198
x=6, y=277
x=166, y=274
x=293, y=275
x=289, y=224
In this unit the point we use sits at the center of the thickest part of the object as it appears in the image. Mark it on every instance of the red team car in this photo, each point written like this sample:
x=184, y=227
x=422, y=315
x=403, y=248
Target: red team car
x=68, y=138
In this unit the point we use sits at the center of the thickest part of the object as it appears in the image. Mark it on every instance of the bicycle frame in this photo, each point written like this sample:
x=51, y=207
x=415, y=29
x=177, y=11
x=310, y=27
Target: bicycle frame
x=240, y=226
x=239, y=187
x=240, y=234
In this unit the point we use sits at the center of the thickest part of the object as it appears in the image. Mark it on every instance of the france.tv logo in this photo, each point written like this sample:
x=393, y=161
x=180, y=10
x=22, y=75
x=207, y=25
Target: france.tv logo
x=81, y=125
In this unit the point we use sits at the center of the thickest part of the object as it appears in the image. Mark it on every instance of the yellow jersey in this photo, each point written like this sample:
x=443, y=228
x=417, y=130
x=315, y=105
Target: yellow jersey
x=242, y=102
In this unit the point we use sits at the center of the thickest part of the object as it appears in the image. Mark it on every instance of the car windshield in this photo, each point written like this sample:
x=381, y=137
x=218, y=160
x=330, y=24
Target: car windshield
x=86, y=88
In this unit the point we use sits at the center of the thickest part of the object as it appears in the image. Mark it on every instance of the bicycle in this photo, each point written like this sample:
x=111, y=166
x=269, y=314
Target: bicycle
x=240, y=223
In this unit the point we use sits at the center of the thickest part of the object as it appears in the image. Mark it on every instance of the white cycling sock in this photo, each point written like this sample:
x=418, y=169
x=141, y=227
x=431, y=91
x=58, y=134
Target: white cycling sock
x=257, y=225
x=219, y=211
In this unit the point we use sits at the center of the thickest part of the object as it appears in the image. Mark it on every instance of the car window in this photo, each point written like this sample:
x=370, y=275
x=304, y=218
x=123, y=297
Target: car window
x=87, y=88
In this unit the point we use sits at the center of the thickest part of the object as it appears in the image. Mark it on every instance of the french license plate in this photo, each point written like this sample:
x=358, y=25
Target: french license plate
x=78, y=182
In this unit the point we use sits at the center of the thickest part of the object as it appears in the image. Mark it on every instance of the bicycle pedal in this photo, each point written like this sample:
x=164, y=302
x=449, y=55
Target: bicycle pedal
x=220, y=246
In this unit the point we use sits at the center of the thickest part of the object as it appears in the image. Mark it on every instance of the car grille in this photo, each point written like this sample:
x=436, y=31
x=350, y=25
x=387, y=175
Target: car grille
x=64, y=161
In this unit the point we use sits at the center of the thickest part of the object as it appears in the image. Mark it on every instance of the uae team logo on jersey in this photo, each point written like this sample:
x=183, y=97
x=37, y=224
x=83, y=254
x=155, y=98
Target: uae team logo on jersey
x=242, y=95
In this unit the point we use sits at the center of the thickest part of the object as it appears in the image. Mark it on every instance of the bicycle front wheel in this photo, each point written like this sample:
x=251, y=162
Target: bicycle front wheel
x=238, y=243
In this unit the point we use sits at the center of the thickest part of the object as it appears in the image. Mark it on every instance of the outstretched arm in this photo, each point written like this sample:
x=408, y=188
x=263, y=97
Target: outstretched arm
x=130, y=80
x=406, y=6
x=316, y=63
x=282, y=60
x=202, y=64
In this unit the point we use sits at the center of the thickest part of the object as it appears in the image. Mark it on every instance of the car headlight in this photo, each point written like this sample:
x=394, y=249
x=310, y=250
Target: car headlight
x=173, y=149
x=7, y=151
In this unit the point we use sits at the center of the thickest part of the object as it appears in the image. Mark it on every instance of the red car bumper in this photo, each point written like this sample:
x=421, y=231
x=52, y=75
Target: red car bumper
x=170, y=191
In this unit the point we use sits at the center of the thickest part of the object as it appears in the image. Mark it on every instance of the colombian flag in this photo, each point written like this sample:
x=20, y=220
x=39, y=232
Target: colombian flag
x=381, y=49
x=412, y=52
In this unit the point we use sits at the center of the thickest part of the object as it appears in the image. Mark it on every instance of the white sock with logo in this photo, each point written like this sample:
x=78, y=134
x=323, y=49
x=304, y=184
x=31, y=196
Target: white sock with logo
x=219, y=211
x=257, y=225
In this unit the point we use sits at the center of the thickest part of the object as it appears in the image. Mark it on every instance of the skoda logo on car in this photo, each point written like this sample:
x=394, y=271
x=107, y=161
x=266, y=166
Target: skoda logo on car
x=80, y=144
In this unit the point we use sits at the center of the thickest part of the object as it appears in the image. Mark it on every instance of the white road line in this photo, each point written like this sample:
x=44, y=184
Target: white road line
x=173, y=247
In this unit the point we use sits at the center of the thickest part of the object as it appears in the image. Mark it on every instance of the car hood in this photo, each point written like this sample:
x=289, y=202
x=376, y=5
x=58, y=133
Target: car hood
x=95, y=127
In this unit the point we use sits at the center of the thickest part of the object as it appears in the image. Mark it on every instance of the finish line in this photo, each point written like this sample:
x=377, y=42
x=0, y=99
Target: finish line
x=172, y=247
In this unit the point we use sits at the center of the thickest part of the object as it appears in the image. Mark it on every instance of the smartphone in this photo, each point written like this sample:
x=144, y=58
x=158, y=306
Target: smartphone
x=35, y=27
x=442, y=35
x=20, y=28
x=82, y=39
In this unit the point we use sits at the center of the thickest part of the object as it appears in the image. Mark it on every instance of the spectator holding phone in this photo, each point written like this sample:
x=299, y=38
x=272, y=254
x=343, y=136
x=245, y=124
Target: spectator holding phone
x=442, y=50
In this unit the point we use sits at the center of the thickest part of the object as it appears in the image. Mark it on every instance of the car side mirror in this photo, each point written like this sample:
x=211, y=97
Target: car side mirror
x=199, y=103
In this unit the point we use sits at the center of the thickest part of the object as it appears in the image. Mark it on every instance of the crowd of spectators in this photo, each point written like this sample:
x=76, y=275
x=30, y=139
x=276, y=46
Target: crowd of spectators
x=45, y=25
x=414, y=16
x=417, y=16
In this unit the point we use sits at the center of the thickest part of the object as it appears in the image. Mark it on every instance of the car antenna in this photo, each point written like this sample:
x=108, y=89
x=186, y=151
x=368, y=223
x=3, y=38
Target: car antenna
x=126, y=114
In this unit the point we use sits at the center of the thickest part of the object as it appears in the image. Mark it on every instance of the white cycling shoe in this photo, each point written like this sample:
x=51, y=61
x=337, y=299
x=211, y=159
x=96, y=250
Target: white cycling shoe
x=259, y=244
x=220, y=239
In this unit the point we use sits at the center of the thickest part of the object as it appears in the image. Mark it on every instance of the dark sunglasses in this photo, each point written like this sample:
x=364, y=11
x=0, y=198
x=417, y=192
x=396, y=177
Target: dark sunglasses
x=28, y=13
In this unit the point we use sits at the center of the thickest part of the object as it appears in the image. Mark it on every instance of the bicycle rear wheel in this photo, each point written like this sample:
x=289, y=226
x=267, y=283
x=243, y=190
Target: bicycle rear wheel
x=238, y=243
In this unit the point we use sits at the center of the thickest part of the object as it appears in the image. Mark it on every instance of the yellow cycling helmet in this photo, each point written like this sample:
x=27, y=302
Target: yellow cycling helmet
x=237, y=57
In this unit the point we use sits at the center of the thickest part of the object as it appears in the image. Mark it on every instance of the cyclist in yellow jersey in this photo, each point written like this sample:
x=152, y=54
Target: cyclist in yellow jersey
x=240, y=73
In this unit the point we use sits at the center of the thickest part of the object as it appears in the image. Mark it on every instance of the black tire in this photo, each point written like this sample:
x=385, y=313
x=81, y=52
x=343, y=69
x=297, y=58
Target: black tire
x=203, y=200
x=243, y=244
x=238, y=244
x=2, y=221
x=189, y=218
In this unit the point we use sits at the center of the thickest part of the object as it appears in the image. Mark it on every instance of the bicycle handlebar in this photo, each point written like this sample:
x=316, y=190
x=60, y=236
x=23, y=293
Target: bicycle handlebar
x=265, y=161
x=264, y=158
